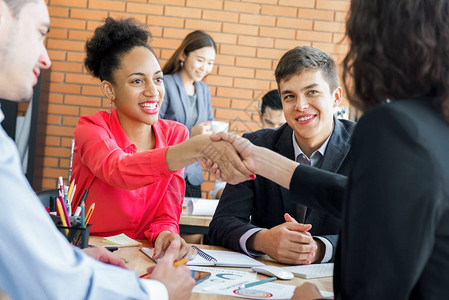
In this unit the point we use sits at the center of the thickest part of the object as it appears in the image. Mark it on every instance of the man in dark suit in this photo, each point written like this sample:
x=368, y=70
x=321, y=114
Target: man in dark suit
x=251, y=216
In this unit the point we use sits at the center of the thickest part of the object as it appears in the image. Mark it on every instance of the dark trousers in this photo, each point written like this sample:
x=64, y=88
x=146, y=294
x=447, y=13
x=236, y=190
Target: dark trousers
x=193, y=190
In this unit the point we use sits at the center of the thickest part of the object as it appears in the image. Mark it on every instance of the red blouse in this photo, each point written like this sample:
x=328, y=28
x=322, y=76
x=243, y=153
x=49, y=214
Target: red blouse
x=134, y=193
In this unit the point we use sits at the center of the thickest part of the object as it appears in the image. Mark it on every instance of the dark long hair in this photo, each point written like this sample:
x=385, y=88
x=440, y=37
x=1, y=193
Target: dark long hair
x=193, y=41
x=398, y=49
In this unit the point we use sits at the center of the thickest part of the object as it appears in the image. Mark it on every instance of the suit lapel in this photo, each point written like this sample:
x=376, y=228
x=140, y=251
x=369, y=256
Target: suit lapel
x=337, y=148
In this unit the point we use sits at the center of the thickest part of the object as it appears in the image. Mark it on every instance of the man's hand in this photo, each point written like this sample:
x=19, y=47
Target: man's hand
x=177, y=280
x=319, y=253
x=103, y=255
x=288, y=243
x=165, y=239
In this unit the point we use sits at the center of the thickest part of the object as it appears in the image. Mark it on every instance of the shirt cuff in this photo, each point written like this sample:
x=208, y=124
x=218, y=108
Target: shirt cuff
x=244, y=238
x=328, y=249
x=155, y=289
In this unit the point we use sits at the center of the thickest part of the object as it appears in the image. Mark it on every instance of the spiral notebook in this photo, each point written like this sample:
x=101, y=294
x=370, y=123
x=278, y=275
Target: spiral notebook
x=216, y=258
x=220, y=258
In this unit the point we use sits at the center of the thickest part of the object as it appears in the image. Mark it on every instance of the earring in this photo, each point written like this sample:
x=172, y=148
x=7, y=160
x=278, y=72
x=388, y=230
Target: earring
x=181, y=64
x=110, y=110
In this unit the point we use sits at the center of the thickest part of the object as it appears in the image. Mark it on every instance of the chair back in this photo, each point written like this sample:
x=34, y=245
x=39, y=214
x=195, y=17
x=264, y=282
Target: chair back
x=45, y=195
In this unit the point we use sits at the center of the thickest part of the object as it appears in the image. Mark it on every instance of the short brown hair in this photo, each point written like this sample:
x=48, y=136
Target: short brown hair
x=300, y=59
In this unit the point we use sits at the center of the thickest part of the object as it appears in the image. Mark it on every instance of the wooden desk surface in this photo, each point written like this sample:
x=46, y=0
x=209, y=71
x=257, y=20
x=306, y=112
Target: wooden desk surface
x=137, y=261
x=194, y=220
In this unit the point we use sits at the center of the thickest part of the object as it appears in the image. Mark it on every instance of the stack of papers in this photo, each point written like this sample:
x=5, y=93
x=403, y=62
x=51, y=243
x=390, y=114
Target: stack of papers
x=121, y=240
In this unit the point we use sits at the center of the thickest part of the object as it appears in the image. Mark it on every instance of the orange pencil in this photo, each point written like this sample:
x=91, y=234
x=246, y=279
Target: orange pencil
x=62, y=215
x=90, y=212
x=69, y=193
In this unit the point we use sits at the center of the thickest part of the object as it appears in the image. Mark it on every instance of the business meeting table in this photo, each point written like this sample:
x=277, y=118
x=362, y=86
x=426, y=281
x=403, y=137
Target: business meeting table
x=137, y=261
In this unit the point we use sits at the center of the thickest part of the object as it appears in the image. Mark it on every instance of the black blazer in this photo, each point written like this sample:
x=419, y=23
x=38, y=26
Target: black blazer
x=262, y=203
x=394, y=242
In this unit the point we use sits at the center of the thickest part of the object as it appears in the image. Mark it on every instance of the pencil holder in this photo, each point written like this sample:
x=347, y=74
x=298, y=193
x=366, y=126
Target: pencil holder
x=77, y=236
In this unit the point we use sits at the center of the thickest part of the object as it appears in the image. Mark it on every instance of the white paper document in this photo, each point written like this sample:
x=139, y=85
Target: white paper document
x=227, y=282
x=312, y=271
x=199, y=206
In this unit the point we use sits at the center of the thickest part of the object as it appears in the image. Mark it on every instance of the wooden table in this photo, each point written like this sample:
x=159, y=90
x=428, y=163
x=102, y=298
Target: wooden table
x=137, y=261
x=189, y=224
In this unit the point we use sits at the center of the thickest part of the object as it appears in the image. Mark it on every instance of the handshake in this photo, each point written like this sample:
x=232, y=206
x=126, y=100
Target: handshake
x=230, y=157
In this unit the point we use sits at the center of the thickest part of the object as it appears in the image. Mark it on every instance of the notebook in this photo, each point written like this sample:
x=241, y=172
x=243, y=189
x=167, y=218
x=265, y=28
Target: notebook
x=220, y=258
x=216, y=258
x=312, y=271
x=121, y=240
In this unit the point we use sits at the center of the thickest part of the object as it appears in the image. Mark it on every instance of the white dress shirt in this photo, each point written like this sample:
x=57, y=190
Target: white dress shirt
x=36, y=260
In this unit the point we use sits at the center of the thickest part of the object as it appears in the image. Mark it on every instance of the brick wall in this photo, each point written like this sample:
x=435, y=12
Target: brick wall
x=251, y=36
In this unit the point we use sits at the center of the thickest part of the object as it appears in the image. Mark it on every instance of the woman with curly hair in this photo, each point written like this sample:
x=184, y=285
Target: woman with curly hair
x=130, y=160
x=187, y=98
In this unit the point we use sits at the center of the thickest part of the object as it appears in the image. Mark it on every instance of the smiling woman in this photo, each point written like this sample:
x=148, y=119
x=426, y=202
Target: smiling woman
x=130, y=160
x=188, y=98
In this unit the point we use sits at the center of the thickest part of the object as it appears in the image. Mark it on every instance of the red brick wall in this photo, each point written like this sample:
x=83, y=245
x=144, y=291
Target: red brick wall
x=251, y=36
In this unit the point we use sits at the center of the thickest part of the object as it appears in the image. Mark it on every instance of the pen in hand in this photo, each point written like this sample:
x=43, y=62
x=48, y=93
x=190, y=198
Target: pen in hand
x=176, y=264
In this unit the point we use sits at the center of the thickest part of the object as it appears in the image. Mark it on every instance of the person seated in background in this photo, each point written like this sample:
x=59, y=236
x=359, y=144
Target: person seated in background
x=130, y=160
x=256, y=217
x=187, y=98
x=271, y=116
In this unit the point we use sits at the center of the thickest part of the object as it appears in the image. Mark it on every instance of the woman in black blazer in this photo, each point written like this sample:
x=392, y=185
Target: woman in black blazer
x=394, y=242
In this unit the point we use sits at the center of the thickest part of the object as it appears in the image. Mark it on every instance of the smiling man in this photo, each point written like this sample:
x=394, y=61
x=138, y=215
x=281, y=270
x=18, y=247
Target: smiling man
x=251, y=216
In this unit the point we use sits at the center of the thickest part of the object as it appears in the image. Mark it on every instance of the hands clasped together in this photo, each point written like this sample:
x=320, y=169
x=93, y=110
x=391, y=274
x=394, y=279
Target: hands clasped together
x=230, y=158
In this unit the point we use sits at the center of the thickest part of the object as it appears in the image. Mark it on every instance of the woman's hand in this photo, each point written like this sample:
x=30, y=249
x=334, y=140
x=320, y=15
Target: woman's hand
x=201, y=128
x=177, y=280
x=165, y=239
x=307, y=291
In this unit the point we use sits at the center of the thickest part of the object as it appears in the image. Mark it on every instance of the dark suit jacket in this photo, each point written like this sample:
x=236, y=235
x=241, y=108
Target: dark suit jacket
x=262, y=203
x=394, y=242
x=176, y=107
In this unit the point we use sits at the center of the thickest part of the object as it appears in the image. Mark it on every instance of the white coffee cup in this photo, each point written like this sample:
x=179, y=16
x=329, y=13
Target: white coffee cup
x=218, y=126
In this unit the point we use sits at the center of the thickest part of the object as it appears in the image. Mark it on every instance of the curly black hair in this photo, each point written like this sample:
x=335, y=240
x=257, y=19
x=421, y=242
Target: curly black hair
x=398, y=49
x=110, y=41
